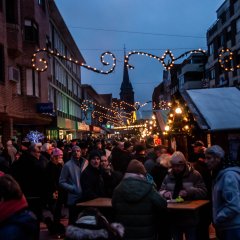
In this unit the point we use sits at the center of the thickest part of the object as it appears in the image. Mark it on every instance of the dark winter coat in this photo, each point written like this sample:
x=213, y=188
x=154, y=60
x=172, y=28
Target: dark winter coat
x=21, y=225
x=92, y=183
x=120, y=159
x=192, y=183
x=136, y=204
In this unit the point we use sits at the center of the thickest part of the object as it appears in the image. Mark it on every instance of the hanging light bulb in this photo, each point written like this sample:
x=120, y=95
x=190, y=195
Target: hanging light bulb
x=178, y=110
x=167, y=128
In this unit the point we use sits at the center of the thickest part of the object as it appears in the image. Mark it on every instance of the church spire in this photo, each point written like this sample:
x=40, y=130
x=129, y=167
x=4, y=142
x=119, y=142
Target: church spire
x=126, y=90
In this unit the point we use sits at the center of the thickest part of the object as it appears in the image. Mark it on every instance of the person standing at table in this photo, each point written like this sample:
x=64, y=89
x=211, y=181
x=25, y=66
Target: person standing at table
x=70, y=181
x=185, y=182
x=136, y=203
x=225, y=193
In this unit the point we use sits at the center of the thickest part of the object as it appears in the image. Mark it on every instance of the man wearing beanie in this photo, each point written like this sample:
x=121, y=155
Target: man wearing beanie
x=135, y=202
x=185, y=182
x=70, y=181
x=91, y=179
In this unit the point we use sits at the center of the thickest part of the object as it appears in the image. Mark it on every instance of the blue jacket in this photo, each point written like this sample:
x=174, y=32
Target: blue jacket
x=21, y=225
x=226, y=199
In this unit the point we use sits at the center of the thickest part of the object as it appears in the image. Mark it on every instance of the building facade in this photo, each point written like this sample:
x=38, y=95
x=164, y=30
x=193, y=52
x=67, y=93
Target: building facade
x=222, y=35
x=65, y=80
x=49, y=101
x=24, y=27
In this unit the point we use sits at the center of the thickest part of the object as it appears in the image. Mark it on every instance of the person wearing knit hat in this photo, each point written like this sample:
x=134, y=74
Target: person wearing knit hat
x=70, y=181
x=184, y=182
x=137, y=167
x=91, y=180
x=225, y=192
x=178, y=158
x=135, y=195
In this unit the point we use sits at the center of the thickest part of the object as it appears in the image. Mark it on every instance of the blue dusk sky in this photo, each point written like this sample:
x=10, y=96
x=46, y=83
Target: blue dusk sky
x=151, y=26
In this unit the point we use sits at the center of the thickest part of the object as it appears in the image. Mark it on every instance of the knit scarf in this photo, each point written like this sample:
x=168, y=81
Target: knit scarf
x=8, y=208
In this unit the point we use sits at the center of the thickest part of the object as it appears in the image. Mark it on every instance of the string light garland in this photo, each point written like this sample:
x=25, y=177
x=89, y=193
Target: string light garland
x=225, y=59
x=162, y=105
x=44, y=65
x=179, y=120
x=117, y=117
x=162, y=59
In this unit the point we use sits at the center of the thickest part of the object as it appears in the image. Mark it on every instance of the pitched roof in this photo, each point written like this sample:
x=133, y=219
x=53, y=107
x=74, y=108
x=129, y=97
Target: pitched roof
x=215, y=108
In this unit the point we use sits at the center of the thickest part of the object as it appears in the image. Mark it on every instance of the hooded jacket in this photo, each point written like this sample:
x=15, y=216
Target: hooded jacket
x=135, y=202
x=226, y=199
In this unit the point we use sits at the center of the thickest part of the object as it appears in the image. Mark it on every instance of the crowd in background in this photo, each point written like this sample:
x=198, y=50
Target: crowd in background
x=139, y=176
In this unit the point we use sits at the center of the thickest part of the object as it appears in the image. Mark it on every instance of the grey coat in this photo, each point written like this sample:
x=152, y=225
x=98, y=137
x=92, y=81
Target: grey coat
x=70, y=179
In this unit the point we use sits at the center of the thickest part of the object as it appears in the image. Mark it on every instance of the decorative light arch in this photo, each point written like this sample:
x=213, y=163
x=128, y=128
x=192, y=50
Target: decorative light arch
x=162, y=59
x=57, y=54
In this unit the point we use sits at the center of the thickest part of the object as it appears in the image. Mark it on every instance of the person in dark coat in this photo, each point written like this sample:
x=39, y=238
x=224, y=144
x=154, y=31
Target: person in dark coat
x=185, y=182
x=198, y=151
x=110, y=177
x=91, y=178
x=140, y=153
x=206, y=213
x=120, y=157
x=136, y=203
x=16, y=221
x=29, y=173
x=54, y=193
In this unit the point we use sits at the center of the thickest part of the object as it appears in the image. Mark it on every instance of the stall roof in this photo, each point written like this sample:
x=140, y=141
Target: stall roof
x=219, y=107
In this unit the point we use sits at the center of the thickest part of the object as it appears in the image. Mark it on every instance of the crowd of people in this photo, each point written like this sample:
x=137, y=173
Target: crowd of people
x=139, y=177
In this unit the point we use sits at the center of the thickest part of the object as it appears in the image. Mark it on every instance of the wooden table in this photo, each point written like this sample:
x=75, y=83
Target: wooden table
x=107, y=203
x=97, y=203
x=180, y=214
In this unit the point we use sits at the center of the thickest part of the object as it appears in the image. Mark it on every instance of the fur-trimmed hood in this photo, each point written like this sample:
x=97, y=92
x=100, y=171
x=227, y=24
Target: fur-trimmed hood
x=87, y=227
x=76, y=233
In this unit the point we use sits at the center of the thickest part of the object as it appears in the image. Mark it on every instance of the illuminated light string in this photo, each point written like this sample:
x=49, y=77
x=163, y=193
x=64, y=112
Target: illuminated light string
x=105, y=115
x=86, y=102
x=178, y=121
x=129, y=126
x=225, y=59
x=44, y=63
x=117, y=115
x=162, y=59
x=162, y=105
x=100, y=116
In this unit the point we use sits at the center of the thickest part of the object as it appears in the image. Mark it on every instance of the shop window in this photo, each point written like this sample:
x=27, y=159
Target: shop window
x=30, y=31
x=2, y=72
x=11, y=11
x=32, y=83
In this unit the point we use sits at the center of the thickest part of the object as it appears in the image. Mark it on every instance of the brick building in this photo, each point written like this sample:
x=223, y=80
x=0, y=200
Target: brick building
x=25, y=26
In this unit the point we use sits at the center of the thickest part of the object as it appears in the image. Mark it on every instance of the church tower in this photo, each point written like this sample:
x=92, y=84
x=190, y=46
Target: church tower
x=126, y=90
